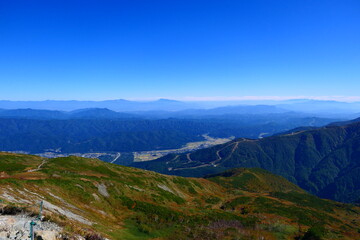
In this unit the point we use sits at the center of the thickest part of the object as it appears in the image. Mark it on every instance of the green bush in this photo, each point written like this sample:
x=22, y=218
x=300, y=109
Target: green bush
x=316, y=232
x=235, y=202
x=212, y=200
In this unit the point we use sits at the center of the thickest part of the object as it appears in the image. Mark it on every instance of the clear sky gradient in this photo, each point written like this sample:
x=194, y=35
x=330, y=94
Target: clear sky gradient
x=142, y=49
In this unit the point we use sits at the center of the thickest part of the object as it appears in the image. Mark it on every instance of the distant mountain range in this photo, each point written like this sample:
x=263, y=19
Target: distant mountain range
x=323, y=161
x=317, y=107
x=93, y=113
x=119, y=105
x=321, y=107
x=229, y=112
x=305, y=155
x=105, y=113
x=88, y=113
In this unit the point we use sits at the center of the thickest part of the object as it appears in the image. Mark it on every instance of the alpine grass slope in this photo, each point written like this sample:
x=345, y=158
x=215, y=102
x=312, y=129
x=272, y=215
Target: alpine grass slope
x=91, y=198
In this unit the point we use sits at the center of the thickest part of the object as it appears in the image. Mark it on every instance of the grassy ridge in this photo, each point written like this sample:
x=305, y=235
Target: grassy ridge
x=129, y=203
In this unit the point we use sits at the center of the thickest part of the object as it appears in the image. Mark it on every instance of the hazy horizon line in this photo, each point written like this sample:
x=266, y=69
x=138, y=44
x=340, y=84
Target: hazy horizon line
x=211, y=99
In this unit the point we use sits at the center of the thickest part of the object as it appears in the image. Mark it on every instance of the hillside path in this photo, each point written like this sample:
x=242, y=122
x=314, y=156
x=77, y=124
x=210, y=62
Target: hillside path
x=39, y=167
x=116, y=158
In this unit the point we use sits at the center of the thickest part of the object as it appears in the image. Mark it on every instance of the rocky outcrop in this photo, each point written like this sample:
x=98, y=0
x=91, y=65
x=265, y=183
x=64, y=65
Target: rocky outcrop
x=17, y=227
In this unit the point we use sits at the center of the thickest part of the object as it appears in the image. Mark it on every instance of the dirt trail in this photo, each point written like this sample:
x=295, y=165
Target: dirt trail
x=116, y=158
x=39, y=167
x=189, y=158
x=213, y=163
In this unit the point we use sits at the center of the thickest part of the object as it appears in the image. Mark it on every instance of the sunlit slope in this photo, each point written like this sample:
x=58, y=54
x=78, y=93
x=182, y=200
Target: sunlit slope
x=87, y=195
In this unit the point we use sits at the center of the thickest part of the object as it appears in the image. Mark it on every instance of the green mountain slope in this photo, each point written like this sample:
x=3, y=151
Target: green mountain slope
x=90, y=196
x=324, y=161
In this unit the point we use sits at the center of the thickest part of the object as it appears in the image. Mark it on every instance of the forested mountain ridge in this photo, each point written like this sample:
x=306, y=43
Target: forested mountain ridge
x=324, y=161
x=131, y=134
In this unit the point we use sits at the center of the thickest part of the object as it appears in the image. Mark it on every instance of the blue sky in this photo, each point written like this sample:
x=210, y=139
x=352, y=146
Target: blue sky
x=141, y=49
